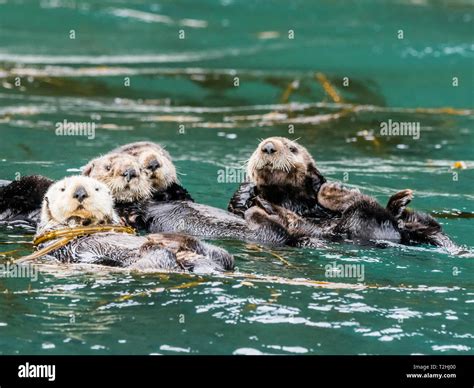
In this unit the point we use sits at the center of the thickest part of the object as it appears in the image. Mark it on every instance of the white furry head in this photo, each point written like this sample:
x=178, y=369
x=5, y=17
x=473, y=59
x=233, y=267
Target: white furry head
x=77, y=200
x=280, y=161
x=155, y=161
x=123, y=175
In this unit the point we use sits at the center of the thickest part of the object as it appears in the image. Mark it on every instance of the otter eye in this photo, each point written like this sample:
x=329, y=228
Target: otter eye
x=63, y=189
x=293, y=149
x=108, y=167
x=96, y=189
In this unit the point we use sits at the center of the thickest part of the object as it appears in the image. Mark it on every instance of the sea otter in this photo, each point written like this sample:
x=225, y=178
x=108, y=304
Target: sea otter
x=122, y=174
x=283, y=173
x=128, y=183
x=284, y=180
x=79, y=201
x=158, y=166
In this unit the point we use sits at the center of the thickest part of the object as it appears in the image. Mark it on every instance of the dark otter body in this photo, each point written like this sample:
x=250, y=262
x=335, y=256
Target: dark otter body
x=20, y=201
x=283, y=175
x=284, y=181
x=160, y=252
x=363, y=219
x=301, y=201
x=367, y=220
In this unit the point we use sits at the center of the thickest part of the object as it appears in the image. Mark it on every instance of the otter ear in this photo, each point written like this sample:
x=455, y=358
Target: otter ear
x=88, y=169
x=315, y=178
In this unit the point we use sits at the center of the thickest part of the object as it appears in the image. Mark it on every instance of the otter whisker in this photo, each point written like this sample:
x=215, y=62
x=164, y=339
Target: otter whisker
x=244, y=164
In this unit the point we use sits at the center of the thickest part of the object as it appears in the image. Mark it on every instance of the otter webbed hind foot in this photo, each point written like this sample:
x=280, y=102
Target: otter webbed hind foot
x=418, y=227
x=398, y=202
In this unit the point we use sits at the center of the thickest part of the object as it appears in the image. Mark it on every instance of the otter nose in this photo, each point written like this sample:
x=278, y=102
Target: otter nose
x=80, y=194
x=268, y=148
x=153, y=165
x=129, y=174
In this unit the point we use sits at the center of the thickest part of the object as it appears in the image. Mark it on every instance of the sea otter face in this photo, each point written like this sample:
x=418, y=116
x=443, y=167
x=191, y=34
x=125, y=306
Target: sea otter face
x=77, y=200
x=122, y=174
x=155, y=161
x=280, y=161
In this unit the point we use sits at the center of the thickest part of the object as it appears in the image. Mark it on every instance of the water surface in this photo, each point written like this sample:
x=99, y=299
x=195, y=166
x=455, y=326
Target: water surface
x=129, y=73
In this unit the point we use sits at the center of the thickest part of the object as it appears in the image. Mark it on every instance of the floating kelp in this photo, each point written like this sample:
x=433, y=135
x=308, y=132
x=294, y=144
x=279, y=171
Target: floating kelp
x=360, y=91
x=452, y=214
x=328, y=88
x=62, y=237
x=57, y=80
x=55, y=86
x=258, y=248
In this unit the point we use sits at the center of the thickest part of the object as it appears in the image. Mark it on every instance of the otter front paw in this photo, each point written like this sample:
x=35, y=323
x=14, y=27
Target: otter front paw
x=242, y=199
x=265, y=205
x=256, y=217
x=336, y=197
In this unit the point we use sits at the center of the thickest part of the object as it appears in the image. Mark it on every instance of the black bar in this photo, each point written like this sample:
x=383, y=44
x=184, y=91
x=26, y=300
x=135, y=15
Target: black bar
x=311, y=371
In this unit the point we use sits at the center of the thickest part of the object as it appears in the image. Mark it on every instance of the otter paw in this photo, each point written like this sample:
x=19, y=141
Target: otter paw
x=257, y=217
x=265, y=205
x=336, y=197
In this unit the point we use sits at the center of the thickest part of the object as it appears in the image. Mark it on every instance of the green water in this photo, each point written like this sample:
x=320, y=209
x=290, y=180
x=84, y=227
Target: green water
x=420, y=300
